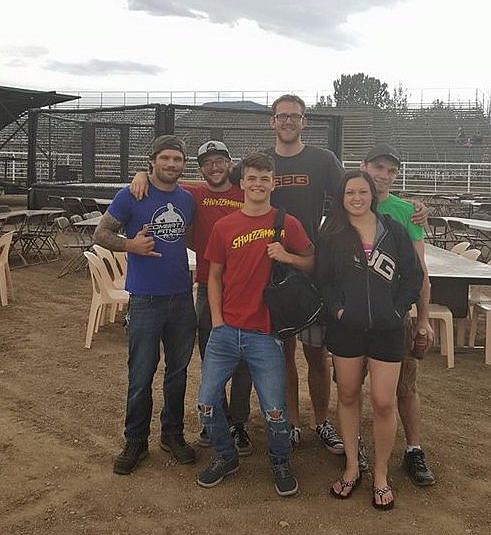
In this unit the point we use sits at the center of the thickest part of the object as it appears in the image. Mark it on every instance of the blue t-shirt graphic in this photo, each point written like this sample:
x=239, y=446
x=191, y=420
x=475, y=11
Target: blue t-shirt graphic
x=167, y=215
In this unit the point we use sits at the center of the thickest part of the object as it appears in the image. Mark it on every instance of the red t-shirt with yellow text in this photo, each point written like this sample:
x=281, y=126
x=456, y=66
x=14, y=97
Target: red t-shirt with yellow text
x=210, y=207
x=238, y=242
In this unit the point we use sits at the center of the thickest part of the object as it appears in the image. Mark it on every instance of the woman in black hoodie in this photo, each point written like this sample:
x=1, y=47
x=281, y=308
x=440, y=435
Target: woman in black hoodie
x=369, y=275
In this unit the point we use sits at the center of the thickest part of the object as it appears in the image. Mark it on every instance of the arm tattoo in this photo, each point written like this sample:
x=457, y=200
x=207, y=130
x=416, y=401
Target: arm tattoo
x=106, y=233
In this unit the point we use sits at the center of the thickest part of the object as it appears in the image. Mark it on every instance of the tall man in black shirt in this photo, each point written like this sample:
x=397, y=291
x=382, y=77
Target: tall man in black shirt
x=305, y=175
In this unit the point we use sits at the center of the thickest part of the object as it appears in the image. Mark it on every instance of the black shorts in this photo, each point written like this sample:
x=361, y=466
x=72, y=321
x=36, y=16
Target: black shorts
x=345, y=341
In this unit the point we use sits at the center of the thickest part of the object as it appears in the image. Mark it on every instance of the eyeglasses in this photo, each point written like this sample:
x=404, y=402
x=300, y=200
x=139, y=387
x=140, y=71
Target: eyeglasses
x=283, y=117
x=219, y=162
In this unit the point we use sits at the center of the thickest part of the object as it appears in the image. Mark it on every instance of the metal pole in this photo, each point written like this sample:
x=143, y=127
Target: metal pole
x=403, y=176
x=50, y=163
x=468, y=178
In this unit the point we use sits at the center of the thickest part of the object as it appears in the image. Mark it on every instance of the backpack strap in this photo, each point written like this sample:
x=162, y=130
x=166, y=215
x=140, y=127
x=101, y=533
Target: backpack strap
x=278, y=224
x=278, y=269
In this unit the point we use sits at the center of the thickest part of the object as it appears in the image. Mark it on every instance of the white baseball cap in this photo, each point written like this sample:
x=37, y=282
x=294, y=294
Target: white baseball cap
x=212, y=147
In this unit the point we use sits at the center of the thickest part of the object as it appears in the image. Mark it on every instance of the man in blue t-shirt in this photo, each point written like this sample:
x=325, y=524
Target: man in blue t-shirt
x=161, y=304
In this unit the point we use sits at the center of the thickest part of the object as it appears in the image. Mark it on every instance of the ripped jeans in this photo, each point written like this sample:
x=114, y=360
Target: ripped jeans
x=264, y=356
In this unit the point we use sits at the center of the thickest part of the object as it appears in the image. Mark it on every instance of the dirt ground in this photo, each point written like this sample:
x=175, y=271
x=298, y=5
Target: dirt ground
x=61, y=417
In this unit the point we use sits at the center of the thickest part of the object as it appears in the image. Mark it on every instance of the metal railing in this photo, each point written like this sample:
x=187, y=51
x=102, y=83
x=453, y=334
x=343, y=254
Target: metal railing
x=435, y=177
x=456, y=177
x=417, y=97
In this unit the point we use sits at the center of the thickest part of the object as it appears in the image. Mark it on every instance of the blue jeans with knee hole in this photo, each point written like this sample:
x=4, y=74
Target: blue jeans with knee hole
x=152, y=319
x=263, y=355
x=238, y=409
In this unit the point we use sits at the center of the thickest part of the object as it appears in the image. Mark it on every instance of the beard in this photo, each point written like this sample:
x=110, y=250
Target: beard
x=218, y=182
x=167, y=176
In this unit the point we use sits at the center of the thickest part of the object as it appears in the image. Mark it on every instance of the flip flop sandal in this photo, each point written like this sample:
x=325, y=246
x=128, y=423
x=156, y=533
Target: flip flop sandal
x=382, y=492
x=351, y=485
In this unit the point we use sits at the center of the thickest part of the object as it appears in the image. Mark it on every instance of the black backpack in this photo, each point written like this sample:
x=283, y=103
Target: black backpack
x=293, y=301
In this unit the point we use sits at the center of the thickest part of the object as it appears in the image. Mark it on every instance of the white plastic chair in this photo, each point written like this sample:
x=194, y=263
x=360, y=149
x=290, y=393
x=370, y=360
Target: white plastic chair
x=103, y=293
x=117, y=278
x=115, y=273
x=443, y=314
x=471, y=254
x=483, y=307
x=459, y=248
x=6, y=287
x=122, y=261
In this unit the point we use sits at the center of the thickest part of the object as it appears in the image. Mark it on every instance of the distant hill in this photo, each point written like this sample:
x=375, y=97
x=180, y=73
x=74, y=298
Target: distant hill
x=238, y=105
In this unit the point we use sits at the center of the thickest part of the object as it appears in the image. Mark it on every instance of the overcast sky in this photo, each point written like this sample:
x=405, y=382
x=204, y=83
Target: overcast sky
x=162, y=45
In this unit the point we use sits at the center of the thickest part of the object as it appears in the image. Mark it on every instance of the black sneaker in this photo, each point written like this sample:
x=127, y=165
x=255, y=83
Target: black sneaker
x=217, y=470
x=132, y=454
x=241, y=438
x=362, y=456
x=329, y=437
x=203, y=439
x=182, y=452
x=285, y=482
x=418, y=471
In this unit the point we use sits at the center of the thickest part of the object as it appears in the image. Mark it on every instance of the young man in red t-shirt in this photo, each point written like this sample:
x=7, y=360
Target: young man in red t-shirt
x=240, y=251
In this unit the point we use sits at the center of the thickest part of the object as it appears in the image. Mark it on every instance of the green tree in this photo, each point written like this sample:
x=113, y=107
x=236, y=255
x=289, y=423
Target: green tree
x=438, y=104
x=399, y=98
x=359, y=89
x=322, y=104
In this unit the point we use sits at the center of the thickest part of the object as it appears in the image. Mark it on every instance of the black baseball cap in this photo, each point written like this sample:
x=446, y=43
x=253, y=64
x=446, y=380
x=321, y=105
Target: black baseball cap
x=383, y=150
x=167, y=142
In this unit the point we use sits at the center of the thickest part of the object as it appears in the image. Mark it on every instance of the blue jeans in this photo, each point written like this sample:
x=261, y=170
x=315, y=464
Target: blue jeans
x=172, y=320
x=237, y=411
x=263, y=355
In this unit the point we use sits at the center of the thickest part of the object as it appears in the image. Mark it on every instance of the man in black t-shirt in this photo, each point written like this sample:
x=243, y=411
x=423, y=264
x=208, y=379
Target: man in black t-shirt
x=304, y=176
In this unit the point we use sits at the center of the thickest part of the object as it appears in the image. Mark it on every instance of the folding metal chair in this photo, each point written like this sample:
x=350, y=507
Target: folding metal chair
x=55, y=202
x=80, y=241
x=16, y=224
x=89, y=204
x=72, y=206
x=438, y=232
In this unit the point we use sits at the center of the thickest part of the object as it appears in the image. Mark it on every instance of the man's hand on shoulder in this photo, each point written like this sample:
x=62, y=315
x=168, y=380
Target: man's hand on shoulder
x=141, y=244
x=420, y=216
x=139, y=185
